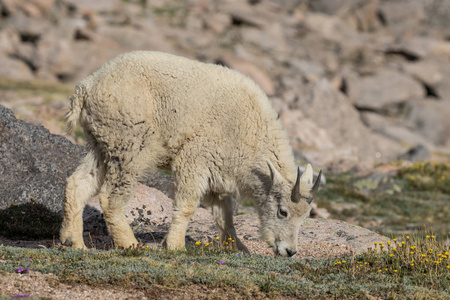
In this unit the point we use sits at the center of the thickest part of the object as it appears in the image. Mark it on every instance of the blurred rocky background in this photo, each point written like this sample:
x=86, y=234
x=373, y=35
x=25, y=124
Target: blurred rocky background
x=357, y=83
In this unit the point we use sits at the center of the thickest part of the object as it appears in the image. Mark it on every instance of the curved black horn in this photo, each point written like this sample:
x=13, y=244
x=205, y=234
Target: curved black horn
x=295, y=195
x=315, y=187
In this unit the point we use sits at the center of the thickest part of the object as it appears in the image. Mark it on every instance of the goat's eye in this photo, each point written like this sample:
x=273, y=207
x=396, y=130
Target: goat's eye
x=282, y=213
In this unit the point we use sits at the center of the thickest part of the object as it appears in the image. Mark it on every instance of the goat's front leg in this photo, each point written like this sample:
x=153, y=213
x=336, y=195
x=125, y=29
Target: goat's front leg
x=184, y=207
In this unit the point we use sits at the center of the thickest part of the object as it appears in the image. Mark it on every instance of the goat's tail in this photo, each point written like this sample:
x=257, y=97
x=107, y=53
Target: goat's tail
x=76, y=105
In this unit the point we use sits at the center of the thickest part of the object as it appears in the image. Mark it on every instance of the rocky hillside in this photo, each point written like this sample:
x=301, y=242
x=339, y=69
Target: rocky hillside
x=355, y=82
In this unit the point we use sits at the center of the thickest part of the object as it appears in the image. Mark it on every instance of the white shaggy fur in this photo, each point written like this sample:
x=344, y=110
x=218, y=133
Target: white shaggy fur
x=213, y=127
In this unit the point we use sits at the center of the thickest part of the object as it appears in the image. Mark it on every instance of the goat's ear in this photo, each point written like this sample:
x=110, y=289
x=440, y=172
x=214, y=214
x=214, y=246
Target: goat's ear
x=275, y=176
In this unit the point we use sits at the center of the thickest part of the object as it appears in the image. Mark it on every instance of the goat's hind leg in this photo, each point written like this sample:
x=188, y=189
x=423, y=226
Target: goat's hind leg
x=82, y=185
x=222, y=210
x=114, y=195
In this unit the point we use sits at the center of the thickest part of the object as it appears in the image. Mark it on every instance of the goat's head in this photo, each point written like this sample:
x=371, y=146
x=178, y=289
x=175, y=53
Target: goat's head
x=285, y=208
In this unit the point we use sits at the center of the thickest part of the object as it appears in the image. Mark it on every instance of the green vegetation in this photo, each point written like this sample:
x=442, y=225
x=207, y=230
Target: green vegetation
x=415, y=264
x=174, y=12
x=26, y=88
x=414, y=198
x=414, y=268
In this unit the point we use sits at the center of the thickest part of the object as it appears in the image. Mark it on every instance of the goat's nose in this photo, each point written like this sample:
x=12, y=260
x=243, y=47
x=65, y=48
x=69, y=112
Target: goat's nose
x=290, y=253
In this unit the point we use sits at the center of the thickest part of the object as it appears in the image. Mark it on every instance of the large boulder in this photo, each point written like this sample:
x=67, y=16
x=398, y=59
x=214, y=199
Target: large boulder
x=33, y=163
x=430, y=119
x=383, y=89
x=342, y=141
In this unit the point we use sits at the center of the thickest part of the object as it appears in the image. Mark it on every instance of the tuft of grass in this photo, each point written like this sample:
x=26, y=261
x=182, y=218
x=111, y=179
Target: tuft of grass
x=212, y=266
x=427, y=176
x=420, y=260
x=30, y=221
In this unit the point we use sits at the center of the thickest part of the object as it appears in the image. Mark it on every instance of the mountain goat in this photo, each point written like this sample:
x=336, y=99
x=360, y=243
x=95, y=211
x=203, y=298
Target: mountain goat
x=210, y=125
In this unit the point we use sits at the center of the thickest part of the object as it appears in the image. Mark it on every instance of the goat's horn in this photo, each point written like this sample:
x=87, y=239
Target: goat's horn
x=295, y=195
x=315, y=188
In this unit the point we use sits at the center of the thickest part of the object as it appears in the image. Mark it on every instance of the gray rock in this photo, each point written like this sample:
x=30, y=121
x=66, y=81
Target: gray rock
x=30, y=29
x=384, y=89
x=15, y=68
x=419, y=47
x=33, y=163
x=434, y=73
x=360, y=14
x=242, y=14
x=310, y=70
x=354, y=144
x=147, y=206
x=251, y=70
x=430, y=118
x=395, y=12
x=218, y=22
x=54, y=55
x=101, y=6
x=131, y=38
x=418, y=153
x=427, y=71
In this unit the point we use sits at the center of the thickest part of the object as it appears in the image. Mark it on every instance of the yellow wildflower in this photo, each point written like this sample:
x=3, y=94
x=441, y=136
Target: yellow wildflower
x=198, y=243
